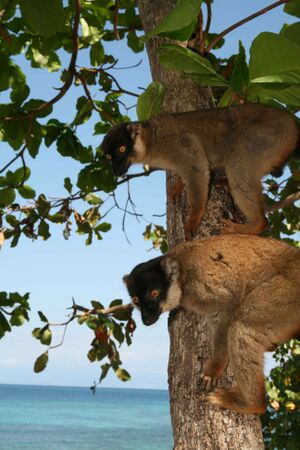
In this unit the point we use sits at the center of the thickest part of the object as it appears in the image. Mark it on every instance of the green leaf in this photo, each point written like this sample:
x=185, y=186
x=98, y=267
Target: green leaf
x=45, y=16
x=293, y=8
x=20, y=175
x=90, y=34
x=93, y=199
x=69, y=145
x=150, y=101
x=264, y=92
x=68, y=185
x=43, y=230
x=42, y=317
x=274, y=59
x=13, y=221
x=240, y=75
x=84, y=110
x=38, y=59
x=97, y=54
x=104, y=227
x=101, y=128
x=4, y=325
x=26, y=191
x=17, y=317
x=177, y=58
x=7, y=196
x=94, y=176
x=291, y=32
x=104, y=370
x=116, y=302
x=41, y=363
x=183, y=34
x=118, y=333
x=122, y=374
x=43, y=206
x=181, y=16
x=135, y=42
x=46, y=337
x=19, y=93
x=36, y=103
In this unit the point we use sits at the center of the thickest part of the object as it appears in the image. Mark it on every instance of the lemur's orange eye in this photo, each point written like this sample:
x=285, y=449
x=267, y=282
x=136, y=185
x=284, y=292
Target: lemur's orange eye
x=122, y=149
x=108, y=156
x=154, y=293
x=135, y=300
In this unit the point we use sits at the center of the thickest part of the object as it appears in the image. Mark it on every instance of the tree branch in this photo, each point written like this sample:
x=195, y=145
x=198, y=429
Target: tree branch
x=116, y=11
x=242, y=22
x=283, y=203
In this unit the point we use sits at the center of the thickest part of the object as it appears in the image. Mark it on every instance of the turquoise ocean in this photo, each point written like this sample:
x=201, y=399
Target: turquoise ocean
x=72, y=418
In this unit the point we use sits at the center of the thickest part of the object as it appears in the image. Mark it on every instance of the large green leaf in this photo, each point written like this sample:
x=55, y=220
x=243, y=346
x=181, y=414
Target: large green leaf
x=182, y=59
x=274, y=59
x=180, y=17
x=44, y=16
x=289, y=95
x=240, y=74
x=181, y=35
x=149, y=102
x=291, y=32
x=293, y=8
x=4, y=325
x=41, y=363
x=122, y=374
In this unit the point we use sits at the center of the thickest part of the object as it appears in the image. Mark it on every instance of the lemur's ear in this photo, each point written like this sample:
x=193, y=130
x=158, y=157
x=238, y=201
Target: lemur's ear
x=125, y=279
x=171, y=267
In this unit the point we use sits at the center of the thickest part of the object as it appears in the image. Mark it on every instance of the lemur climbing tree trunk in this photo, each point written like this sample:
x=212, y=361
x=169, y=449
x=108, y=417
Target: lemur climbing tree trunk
x=195, y=425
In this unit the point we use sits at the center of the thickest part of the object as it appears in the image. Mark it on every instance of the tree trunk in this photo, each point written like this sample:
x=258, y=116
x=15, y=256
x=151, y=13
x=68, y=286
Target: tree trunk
x=195, y=425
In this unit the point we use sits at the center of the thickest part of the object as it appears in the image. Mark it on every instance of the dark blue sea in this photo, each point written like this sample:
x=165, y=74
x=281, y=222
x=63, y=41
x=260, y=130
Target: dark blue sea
x=72, y=418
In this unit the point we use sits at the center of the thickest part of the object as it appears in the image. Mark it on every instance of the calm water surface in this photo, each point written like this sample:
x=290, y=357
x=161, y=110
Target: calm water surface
x=72, y=418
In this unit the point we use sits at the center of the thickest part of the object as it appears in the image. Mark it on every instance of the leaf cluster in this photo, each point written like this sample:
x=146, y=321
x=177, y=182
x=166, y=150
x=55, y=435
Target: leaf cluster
x=110, y=330
x=281, y=423
x=14, y=310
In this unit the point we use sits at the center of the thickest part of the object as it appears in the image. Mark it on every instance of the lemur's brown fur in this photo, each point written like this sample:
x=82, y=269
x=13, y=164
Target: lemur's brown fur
x=246, y=142
x=248, y=288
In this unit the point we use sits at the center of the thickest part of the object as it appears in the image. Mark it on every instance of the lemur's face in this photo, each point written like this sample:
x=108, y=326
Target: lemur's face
x=118, y=147
x=150, y=288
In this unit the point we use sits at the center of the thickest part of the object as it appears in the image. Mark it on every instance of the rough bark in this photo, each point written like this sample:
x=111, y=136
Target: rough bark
x=195, y=425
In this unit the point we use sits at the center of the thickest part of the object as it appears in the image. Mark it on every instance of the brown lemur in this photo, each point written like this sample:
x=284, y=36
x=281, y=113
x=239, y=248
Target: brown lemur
x=246, y=142
x=247, y=287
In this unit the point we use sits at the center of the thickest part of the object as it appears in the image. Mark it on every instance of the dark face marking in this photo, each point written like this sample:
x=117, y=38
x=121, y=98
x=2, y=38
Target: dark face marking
x=148, y=285
x=118, y=146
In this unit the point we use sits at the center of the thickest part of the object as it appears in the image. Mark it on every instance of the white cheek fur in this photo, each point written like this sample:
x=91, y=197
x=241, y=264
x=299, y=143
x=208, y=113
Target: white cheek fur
x=173, y=297
x=139, y=149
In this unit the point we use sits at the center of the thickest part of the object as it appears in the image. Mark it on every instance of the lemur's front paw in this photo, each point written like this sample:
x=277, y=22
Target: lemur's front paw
x=212, y=371
x=207, y=383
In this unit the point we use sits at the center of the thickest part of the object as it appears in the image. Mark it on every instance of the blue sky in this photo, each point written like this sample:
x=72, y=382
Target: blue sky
x=57, y=270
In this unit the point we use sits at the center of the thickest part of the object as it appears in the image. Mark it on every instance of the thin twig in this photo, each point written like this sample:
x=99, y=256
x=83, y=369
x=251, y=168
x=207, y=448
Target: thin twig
x=200, y=32
x=128, y=67
x=242, y=22
x=137, y=175
x=5, y=312
x=62, y=339
x=124, y=91
x=208, y=21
